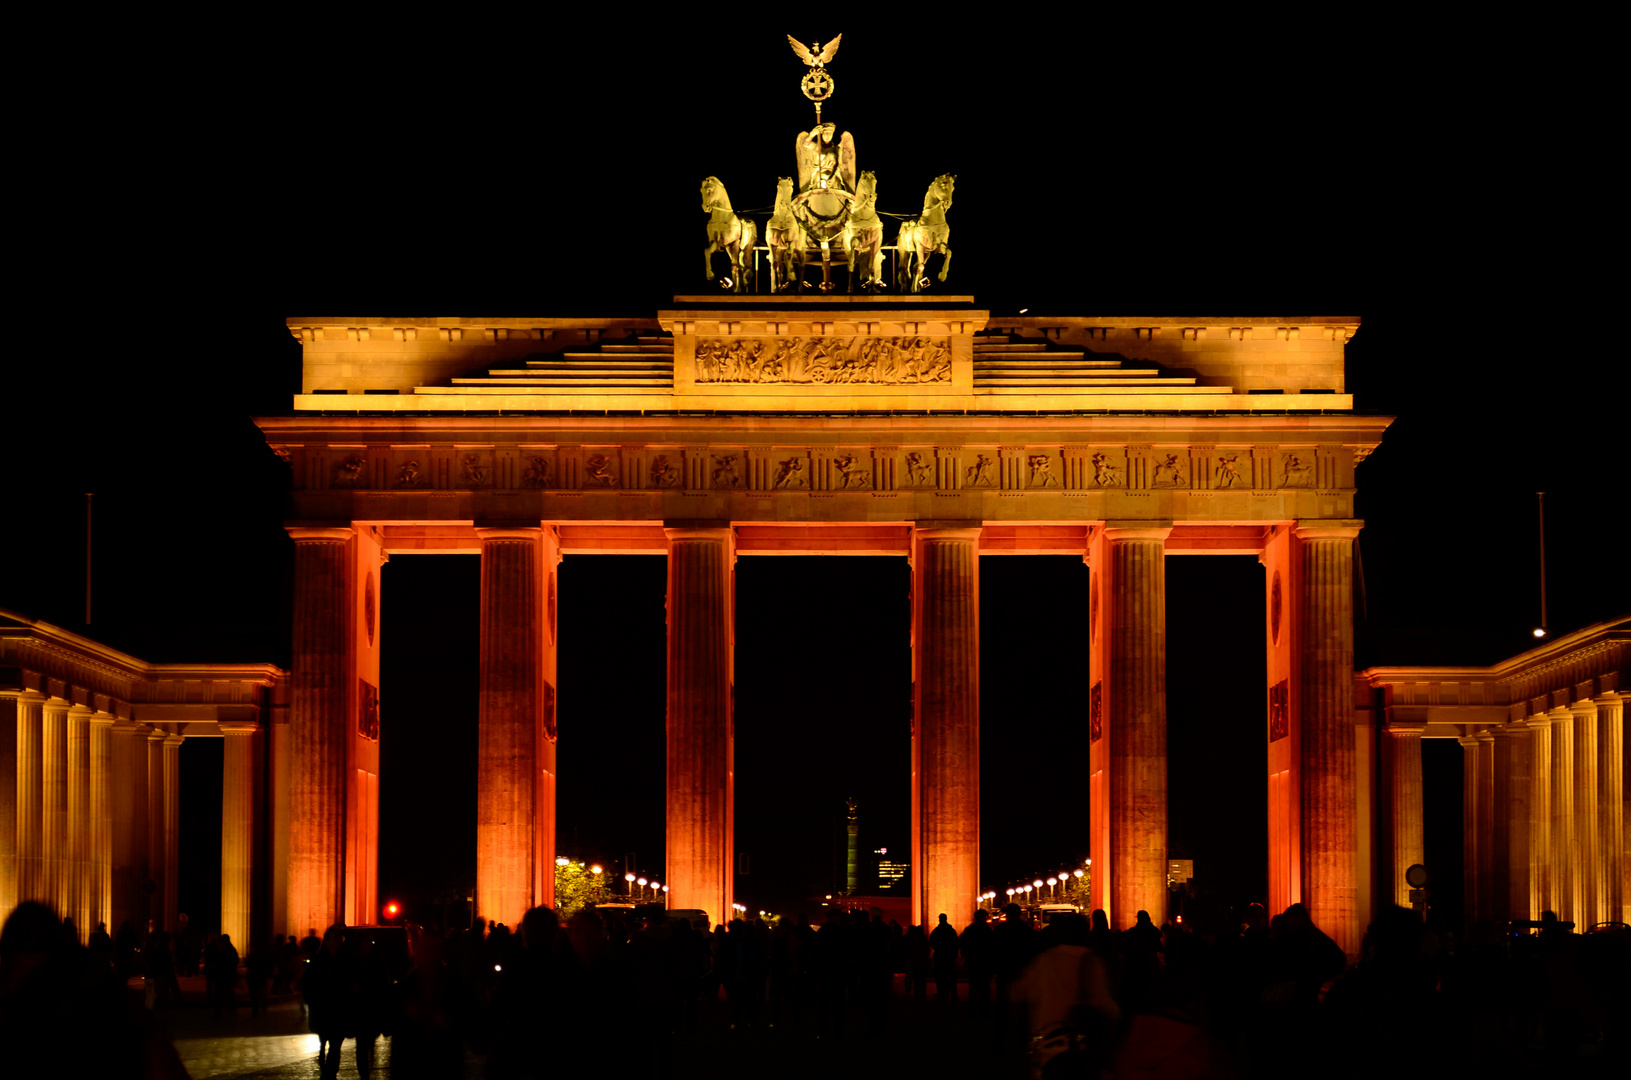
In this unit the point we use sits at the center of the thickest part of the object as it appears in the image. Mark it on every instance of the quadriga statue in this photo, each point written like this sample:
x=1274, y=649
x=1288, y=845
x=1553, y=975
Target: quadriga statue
x=921, y=238
x=733, y=235
x=863, y=235
x=785, y=239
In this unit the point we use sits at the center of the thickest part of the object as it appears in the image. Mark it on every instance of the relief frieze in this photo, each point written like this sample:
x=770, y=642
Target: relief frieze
x=884, y=361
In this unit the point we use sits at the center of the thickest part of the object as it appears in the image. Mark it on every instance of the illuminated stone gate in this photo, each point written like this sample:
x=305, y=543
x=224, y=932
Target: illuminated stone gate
x=735, y=426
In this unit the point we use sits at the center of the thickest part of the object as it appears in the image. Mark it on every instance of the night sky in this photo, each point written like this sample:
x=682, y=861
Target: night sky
x=532, y=168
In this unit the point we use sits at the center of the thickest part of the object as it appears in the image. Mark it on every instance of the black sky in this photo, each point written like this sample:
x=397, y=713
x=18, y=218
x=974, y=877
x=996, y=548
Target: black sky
x=510, y=168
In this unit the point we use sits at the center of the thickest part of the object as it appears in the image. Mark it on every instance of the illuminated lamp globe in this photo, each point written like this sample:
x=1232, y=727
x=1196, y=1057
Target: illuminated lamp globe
x=1540, y=631
x=1078, y=873
x=628, y=877
x=1053, y=881
x=1037, y=883
x=562, y=860
x=639, y=881
x=596, y=869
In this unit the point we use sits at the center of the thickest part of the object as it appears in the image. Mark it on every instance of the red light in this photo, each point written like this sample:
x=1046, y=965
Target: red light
x=392, y=910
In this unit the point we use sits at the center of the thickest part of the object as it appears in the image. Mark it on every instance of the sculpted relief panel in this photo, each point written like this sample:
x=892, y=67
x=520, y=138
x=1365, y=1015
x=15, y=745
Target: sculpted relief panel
x=883, y=361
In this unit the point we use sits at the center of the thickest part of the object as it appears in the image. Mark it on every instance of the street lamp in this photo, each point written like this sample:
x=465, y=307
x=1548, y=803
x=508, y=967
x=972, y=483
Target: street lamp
x=1053, y=889
x=630, y=879
x=642, y=883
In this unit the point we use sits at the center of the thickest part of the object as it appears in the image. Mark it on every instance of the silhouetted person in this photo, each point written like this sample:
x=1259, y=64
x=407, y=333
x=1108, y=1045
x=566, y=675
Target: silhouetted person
x=159, y=972
x=258, y=967
x=943, y=940
x=1140, y=949
x=64, y=1013
x=100, y=944
x=223, y=974
x=1069, y=1012
x=916, y=949
x=126, y=950
x=327, y=990
x=977, y=948
x=831, y=949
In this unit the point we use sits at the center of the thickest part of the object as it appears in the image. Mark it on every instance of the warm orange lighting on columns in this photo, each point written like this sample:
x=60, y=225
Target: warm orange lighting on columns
x=511, y=692
x=124, y=822
x=77, y=899
x=140, y=835
x=54, y=787
x=320, y=726
x=1588, y=850
x=701, y=725
x=31, y=877
x=99, y=851
x=1472, y=902
x=8, y=804
x=946, y=679
x=1615, y=876
x=1330, y=832
x=1486, y=825
x=1135, y=720
x=237, y=827
x=1510, y=854
x=172, y=827
x=1540, y=814
x=158, y=903
x=1563, y=850
x=1406, y=844
x=543, y=857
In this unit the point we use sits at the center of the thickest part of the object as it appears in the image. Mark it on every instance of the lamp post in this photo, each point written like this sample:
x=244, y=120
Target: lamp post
x=630, y=879
x=1053, y=887
x=642, y=883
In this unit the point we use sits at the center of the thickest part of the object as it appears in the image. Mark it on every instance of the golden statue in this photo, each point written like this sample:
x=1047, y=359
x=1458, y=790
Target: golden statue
x=863, y=235
x=733, y=235
x=921, y=238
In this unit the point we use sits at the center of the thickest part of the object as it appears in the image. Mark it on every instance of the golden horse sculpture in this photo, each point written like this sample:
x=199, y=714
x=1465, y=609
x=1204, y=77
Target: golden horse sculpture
x=921, y=238
x=863, y=235
x=733, y=235
x=785, y=238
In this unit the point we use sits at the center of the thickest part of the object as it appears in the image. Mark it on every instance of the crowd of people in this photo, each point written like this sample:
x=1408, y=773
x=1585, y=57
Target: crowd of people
x=1225, y=993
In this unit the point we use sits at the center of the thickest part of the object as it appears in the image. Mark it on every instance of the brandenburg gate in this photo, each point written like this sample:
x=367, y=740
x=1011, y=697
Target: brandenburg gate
x=900, y=425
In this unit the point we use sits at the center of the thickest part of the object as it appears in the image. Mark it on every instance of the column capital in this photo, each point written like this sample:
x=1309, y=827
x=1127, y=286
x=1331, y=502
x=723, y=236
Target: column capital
x=1484, y=735
x=1584, y=707
x=80, y=712
x=1468, y=741
x=174, y=740
x=698, y=530
x=1514, y=729
x=1406, y=728
x=1328, y=530
x=156, y=735
x=30, y=696
x=312, y=534
x=530, y=533
x=102, y=719
x=126, y=727
x=947, y=530
x=238, y=727
x=1560, y=712
x=1609, y=698
x=1123, y=531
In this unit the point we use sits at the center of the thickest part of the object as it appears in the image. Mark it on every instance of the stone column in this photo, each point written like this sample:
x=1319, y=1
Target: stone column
x=1540, y=814
x=1510, y=859
x=1565, y=852
x=701, y=725
x=158, y=903
x=1485, y=796
x=237, y=828
x=1469, y=829
x=31, y=875
x=511, y=688
x=54, y=785
x=1616, y=873
x=1330, y=834
x=172, y=827
x=321, y=700
x=1588, y=849
x=1406, y=845
x=8, y=804
x=99, y=851
x=77, y=901
x=128, y=832
x=946, y=680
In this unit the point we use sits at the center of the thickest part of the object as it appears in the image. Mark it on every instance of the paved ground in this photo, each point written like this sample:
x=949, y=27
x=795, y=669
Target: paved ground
x=918, y=1040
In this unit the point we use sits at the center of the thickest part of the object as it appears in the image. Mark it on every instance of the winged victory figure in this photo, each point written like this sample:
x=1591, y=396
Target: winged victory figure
x=815, y=56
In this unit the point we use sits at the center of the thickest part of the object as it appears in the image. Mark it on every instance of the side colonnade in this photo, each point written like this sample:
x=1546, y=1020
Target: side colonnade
x=90, y=803
x=1543, y=778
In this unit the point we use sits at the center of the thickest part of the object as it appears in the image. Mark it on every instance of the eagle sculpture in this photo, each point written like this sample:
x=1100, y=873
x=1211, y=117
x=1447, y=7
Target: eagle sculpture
x=815, y=56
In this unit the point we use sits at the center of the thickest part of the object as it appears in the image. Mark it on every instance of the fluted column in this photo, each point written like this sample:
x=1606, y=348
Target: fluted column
x=320, y=714
x=172, y=828
x=946, y=678
x=1484, y=796
x=511, y=685
x=54, y=785
x=1330, y=831
x=31, y=872
x=1407, y=845
x=237, y=828
x=701, y=721
x=1565, y=853
x=77, y=899
x=157, y=903
x=1510, y=856
x=1588, y=850
x=1616, y=873
x=8, y=805
x=99, y=831
x=1541, y=876
x=128, y=833
x=1469, y=828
